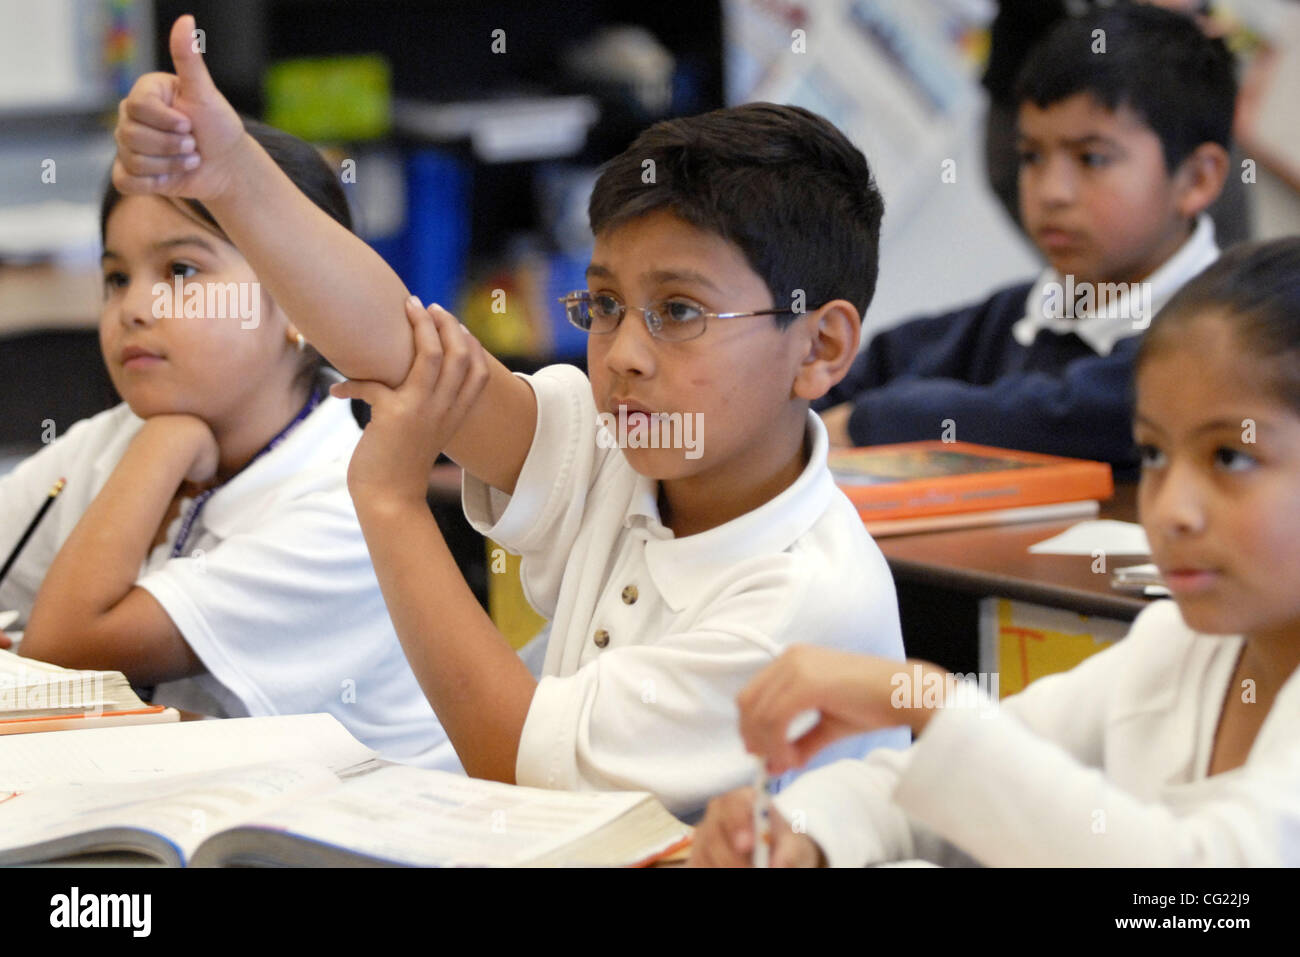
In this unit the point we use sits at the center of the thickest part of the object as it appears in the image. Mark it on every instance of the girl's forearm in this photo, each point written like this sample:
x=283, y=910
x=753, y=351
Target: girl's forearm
x=98, y=564
x=338, y=291
x=477, y=684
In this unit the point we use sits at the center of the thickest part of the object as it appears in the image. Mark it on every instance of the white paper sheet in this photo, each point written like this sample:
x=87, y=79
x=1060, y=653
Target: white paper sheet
x=1104, y=535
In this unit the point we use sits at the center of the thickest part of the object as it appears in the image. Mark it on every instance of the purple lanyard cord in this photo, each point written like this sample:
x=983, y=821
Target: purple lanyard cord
x=206, y=494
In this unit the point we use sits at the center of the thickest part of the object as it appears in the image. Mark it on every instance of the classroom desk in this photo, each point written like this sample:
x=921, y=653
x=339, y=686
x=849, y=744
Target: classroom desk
x=942, y=576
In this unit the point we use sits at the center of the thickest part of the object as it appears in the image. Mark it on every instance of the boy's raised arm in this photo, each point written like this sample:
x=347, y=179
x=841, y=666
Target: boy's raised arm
x=178, y=136
x=353, y=315
x=339, y=292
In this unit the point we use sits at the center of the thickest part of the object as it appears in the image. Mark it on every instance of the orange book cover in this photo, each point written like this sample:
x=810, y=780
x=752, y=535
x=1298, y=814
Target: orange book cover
x=913, y=479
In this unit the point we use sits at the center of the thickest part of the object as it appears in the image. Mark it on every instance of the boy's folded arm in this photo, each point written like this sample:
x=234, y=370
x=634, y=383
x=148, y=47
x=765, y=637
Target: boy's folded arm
x=942, y=346
x=1084, y=413
x=922, y=346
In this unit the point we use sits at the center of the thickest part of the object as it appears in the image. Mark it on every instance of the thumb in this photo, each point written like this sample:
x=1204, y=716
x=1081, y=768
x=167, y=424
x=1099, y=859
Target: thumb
x=185, y=42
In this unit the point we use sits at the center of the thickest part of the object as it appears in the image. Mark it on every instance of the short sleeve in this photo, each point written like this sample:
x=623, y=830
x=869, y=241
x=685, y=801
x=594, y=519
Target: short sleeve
x=541, y=520
x=22, y=492
x=283, y=614
x=72, y=456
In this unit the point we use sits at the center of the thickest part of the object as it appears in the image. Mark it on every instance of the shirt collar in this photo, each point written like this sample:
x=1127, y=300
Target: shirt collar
x=685, y=569
x=1048, y=300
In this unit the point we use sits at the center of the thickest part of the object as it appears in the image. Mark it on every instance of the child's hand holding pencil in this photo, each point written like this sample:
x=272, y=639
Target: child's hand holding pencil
x=727, y=836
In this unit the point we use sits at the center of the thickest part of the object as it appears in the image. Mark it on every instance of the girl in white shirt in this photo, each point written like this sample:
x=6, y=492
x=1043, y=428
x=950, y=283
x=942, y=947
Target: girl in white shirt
x=206, y=543
x=1176, y=746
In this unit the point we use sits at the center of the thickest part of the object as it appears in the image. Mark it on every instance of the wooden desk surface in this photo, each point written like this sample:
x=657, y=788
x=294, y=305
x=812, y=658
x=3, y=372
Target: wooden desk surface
x=996, y=561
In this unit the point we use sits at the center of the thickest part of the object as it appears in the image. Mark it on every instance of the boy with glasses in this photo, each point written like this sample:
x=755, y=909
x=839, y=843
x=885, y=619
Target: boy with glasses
x=746, y=239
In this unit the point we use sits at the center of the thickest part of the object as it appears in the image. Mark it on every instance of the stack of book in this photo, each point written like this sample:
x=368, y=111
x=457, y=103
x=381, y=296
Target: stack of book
x=930, y=486
x=35, y=696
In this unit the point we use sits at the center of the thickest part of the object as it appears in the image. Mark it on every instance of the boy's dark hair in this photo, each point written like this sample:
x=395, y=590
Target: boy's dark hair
x=1256, y=288
x=307, y=169
x=1181, y=83
x=781, y=183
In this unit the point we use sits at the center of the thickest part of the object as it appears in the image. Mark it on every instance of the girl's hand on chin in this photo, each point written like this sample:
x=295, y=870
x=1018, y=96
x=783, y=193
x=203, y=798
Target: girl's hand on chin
x=192, y=440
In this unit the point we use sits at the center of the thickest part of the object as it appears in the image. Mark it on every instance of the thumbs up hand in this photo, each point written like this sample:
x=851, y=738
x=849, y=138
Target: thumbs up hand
x=176, y=134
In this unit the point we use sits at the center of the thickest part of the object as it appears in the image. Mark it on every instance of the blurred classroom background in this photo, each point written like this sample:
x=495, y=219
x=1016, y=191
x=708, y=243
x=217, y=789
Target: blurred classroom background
x=468, y=134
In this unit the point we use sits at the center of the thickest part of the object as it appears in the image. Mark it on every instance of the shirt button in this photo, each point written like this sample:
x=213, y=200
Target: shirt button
x=629, y=595
x=601, y=638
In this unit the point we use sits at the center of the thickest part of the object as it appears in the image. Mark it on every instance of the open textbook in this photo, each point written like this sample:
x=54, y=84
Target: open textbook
x=297, y=791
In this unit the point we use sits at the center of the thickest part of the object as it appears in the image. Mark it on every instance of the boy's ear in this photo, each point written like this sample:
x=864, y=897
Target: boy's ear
x=831, y=334
x=1200, y=177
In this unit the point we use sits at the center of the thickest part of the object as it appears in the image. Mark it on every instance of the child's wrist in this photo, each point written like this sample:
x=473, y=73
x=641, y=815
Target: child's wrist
x=923, y=704
x=182, y=439
x=241, y=170
x=177, y=432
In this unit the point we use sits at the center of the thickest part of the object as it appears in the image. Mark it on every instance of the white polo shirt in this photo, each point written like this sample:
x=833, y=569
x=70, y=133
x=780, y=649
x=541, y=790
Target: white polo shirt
x=652, y=637
x=276, y=593
x=1114, y=320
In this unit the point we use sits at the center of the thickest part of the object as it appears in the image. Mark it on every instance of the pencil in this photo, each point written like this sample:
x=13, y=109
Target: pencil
x=36, y=520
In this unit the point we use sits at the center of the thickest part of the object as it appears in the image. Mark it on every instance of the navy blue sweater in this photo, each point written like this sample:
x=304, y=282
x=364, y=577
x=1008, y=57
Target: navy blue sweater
x=1056, y=396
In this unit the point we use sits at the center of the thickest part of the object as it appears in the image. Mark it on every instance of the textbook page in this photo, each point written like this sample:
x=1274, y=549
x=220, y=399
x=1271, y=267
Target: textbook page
x=151, y=751
x=60, y=820
x=431, y=818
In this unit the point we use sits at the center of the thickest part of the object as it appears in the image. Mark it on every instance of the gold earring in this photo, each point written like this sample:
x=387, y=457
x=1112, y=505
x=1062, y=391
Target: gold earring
x=302, y=342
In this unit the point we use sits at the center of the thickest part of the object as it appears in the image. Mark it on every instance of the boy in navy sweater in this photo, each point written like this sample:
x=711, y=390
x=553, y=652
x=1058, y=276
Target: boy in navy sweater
x=1124, y=128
